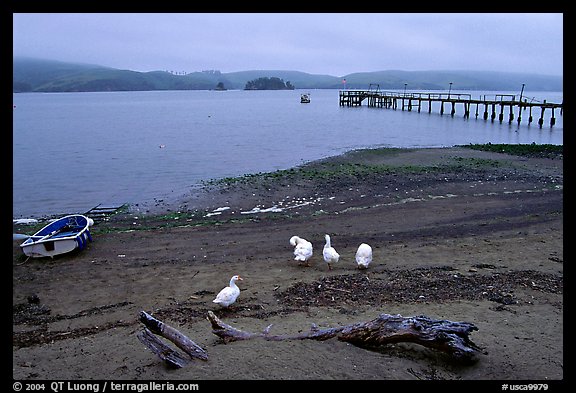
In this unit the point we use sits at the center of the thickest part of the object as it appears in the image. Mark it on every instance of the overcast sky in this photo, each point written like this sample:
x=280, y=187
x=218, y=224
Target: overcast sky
x=319, y=43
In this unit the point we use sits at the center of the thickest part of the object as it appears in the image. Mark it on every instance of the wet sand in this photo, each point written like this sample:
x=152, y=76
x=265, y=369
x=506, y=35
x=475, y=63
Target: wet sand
x=457, y=234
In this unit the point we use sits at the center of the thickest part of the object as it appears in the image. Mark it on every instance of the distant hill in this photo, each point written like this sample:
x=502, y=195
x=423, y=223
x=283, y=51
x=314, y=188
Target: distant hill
x=300, y=80
x=461, y=80
x=37, y=75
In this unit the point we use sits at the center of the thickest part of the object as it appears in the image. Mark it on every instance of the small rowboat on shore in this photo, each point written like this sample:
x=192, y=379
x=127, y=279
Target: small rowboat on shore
x=59, y=237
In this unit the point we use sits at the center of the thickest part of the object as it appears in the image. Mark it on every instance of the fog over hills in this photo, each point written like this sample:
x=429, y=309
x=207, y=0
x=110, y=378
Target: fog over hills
x=39, y=75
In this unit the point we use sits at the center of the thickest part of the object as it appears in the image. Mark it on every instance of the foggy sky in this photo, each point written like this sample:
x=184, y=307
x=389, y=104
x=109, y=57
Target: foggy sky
x=335, y=44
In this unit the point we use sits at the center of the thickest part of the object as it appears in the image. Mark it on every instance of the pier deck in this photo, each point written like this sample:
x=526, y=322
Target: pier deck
x=490, y=103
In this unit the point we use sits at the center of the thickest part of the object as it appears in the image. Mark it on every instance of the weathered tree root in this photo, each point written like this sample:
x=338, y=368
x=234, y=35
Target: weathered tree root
x=164, y=351
x=445, y=336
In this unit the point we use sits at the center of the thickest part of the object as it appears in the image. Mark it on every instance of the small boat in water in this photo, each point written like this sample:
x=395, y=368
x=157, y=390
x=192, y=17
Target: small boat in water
x=305, y=98
x=59, y=237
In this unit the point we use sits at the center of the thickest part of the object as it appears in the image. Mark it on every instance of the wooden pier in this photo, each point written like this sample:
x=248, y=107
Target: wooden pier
x=490, y=105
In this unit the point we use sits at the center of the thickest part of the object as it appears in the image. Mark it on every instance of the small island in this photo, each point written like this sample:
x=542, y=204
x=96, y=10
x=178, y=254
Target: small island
x=272, y=83
x=220, y=87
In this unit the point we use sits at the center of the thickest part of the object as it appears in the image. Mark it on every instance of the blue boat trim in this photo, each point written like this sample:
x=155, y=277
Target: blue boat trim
x=73, y=228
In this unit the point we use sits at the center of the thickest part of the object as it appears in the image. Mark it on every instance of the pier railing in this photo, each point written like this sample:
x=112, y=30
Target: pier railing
x=409, y=100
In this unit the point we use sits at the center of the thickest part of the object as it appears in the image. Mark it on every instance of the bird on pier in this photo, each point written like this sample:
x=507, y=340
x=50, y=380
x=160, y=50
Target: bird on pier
x=229, y=294
x=302, y=249
x=363, y=256
x=329, y=253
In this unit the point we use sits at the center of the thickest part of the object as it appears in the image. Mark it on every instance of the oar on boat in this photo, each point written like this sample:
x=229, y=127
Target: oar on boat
x=20, y=236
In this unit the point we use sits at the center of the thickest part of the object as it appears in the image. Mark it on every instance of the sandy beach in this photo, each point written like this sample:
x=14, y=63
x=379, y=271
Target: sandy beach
x=457, y=234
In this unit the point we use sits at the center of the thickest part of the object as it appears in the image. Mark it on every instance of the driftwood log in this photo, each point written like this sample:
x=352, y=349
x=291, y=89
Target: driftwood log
x=164, y=351
x=172, y=357
x=445, y=336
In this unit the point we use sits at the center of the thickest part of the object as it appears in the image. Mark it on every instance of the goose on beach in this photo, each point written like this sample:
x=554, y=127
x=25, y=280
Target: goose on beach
x=302, y=249
x=363, y=256
x=228, y=295
x=330, y=254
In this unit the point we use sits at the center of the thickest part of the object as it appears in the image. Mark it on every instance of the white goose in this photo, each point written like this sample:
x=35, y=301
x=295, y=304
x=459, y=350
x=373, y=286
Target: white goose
x=228, y=295
x=363, y=256
x=330, y=254
x=303, y=249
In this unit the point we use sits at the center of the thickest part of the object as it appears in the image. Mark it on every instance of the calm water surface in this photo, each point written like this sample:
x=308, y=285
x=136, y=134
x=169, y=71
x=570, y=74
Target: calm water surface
x=73, y=151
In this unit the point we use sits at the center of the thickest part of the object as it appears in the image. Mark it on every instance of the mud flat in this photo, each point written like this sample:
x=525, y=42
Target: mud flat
x=457, y=234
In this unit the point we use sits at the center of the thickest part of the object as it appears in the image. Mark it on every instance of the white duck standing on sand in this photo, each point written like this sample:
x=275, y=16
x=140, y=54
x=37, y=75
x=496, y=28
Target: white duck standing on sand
x=302, y=249
x=363, y=256
x=330, y=254
x=228, y=295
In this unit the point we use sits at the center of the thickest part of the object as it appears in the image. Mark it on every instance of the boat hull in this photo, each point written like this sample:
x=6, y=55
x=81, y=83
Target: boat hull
x=59, y=237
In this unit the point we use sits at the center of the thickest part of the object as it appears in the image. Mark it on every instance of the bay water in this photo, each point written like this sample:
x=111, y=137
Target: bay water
x=74, y=151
